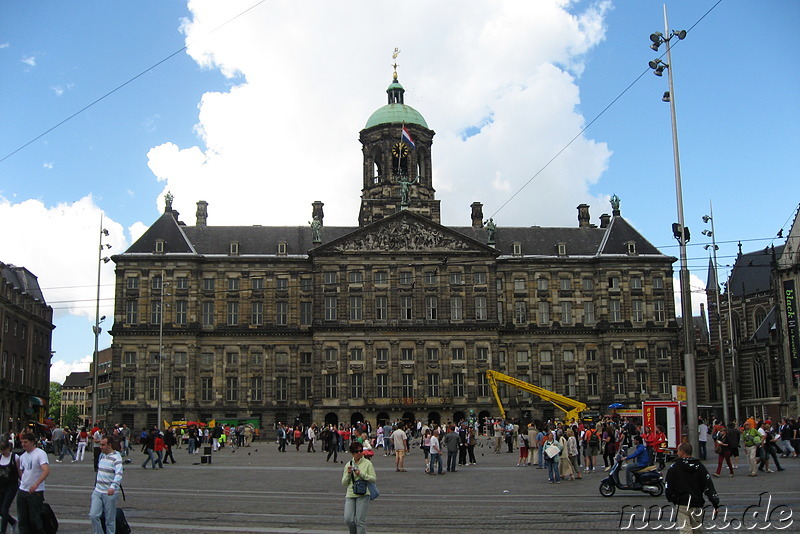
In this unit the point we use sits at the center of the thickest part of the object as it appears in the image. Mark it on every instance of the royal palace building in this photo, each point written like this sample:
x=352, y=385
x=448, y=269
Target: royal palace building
x=396, y=318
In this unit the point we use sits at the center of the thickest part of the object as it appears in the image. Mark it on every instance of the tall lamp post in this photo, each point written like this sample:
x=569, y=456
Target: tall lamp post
x=713, y=235
x=97, y=319
x=160, y=347
x=680, y=232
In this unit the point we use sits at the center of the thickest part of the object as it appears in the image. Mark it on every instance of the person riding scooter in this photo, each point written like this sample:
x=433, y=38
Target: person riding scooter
x=642, y=459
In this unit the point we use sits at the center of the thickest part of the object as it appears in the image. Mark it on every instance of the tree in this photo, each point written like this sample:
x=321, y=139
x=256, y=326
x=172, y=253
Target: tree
x=72, y=417
x=55, y=401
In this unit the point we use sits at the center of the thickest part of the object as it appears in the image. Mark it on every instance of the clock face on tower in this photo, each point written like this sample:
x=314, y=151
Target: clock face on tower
x=400, y=150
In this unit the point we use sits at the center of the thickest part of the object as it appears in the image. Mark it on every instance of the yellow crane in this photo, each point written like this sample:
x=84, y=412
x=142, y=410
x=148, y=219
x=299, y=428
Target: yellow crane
x=570, y=407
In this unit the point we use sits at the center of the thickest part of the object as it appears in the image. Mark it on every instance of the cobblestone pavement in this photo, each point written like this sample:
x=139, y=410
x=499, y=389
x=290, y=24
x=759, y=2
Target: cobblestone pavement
x=258, y=489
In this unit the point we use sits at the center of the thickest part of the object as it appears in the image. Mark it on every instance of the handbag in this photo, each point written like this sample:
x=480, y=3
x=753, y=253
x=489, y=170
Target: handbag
x=552, y=451
x=373, y=491
x=359, y=486
x=718, y=448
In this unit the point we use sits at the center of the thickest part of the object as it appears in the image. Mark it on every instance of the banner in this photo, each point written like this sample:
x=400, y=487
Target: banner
x=790, y=301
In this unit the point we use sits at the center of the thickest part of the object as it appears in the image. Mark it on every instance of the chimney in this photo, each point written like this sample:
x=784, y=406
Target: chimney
x=477, y=214
x=583, y=216
x=605, y=220
x=202, y=213
x=316, y=211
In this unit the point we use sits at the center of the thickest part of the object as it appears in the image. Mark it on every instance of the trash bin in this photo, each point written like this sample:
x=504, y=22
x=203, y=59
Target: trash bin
x=206, y=458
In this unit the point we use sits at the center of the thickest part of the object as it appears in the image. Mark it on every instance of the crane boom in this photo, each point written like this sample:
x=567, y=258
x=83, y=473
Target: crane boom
x=570, y=407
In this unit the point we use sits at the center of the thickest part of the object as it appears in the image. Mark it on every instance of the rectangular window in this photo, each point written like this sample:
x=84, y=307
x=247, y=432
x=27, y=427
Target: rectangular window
x=179, y=358
x=522, y=356
x=157, y=282
x=641, y=353
x=592, y=386
x=565, y=284
x=613, y=283
x=306, y=284
x=429, y=277
x=282, y=358
x=329, y=277
x=181, y=308
x=637, y=310
x=232, y=358
x=381, y=307
x=152, y=388
x=407, y=354
x=233, y=284
x=132, y=282
x=233, y=313
x=129, y=388
x=406, y=308
x=542, y=284
x=519, y=285
x=481, y=311
x=569, y=355
x=479, y=278
x=306, y=358
x=544, y=312
x=232, y=388
x=407, y=389
x=659, y=314
x=591, y=355
x=256, y=388
x=129, y=358
x=306, y=313
x=331, y=354
x=483, y=385
x=281, y=284
x=382, y=386
x=281, y=388
x=566, y=312
x=457, y=353
x=663, y=353
x=587, y=284
x=356, y=386
x=431, y=308
x=256, y=359
x=520, y=312
x=641, y=382
x=614, y=311
x=545, y=356
x=433, y=354
x=458, y=384
x=356, y=308
x=658, y=282
x=207, y=389
x=500, y=306
x=179, y=388
x=257, y=283
x=257, y=315
x=381, y=277
x=155, y=312
x=570, y=385
x=636, y=282
x=617, y=354
x=131, y=312
x=619, y=382
x=406, y=277
x=663, y=382
x=208, y=284
x=382, y=354
x=281, y=313
x=306, y=391
x=331, y=390
x=456, y=278
x=482, y=354
x=547, y=382
x=182, y=282
x=357, y=354
x=330, y=308
x=456, y=308
x=588, y=313
x=207, y=359
x=208, y=313
x=355, y=277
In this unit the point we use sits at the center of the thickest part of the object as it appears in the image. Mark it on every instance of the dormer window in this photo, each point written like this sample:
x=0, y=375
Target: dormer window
x=562, y=249
x=160, y=246
x=517, y=249
x=234, y=248
x=282, y=248
x=631, y=248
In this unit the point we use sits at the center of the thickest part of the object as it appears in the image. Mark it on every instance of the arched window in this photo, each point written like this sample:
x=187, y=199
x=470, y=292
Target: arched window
x=760, y=378
x=758, y=317
x=711, y=380
x=737, y=327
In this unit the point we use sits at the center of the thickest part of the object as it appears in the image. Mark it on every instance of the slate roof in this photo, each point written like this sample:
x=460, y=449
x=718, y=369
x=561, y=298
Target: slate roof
x=22, y=279
x=751, y=272
x=77, y=380
x=263, y=240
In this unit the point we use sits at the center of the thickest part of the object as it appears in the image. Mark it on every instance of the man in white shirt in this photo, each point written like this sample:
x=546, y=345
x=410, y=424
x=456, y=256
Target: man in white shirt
x=702, y=436
x=104, y=496
x=435, y=453
x=33, y=468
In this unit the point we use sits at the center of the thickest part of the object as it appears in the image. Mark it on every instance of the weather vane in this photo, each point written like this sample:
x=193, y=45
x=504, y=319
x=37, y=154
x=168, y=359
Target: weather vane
x=394, y=57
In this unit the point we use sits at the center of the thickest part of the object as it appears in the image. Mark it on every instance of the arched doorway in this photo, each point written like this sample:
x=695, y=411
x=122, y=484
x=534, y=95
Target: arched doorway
x=458, y=417
x=434, y=418
x=409, y=418
x=331, y=419
x=356, y=418
x=382, y=418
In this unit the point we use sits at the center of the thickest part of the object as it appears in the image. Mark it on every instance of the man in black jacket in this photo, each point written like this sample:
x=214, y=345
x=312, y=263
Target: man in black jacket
x=686, y=482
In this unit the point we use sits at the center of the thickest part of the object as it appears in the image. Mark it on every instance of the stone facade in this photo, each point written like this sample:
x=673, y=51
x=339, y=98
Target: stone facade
x=399, y=317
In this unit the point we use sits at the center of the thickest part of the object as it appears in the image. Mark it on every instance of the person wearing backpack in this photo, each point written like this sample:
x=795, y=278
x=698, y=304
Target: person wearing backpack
x=592, y=448
x=9, y=479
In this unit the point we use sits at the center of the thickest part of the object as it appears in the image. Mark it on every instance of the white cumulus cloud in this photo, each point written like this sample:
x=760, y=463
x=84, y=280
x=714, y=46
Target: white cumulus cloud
x=60, y=369
x=29, y=60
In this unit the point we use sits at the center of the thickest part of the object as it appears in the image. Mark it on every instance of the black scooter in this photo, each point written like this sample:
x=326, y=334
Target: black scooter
x=647, y=480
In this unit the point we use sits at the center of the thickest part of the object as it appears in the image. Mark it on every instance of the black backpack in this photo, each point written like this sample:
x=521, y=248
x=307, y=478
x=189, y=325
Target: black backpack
x=49, y=521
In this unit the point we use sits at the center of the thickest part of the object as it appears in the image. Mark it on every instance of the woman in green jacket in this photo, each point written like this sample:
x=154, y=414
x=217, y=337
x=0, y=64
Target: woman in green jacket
x=355, y=505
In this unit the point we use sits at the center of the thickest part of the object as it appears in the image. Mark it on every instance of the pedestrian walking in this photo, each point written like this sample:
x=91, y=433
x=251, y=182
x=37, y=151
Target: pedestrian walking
x=107, y=483
x=722, y=447
x=33, y=468
x=686, y=482
x=752, y=440
x=9, y=482
x=356, y=500
x=83, y=439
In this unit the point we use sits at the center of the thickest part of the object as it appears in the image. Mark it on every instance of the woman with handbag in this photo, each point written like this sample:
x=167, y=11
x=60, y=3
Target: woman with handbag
x=358, y=473
x=722, y=446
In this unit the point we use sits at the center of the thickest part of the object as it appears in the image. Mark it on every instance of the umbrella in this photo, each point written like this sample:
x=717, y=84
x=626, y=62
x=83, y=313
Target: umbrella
x=615, y=406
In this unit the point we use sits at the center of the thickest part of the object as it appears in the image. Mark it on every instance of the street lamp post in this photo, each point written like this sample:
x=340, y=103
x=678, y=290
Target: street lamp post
x=160, y=347
x=681, y=233
x=713, y=234
x=97, y=320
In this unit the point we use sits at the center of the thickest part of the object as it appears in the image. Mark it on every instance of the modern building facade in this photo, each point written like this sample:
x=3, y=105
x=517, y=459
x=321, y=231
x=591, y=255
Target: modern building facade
x=25, y=341
x=398, y=317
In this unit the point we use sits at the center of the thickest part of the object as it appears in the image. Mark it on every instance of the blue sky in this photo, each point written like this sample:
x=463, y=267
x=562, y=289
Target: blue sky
x=260, y=117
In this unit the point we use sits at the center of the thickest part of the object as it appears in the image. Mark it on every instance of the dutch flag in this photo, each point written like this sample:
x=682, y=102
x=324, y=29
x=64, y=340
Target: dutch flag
x=406, y=138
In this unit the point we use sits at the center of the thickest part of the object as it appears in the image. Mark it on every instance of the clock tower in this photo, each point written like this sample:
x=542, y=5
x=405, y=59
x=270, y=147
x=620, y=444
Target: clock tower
x=396, y=144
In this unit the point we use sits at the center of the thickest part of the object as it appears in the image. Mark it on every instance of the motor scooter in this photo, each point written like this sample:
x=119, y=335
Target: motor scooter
x=647, y=480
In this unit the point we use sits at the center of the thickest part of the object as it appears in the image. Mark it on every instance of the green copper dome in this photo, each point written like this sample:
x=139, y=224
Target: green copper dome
x=396, y=113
